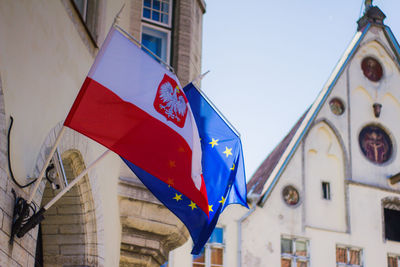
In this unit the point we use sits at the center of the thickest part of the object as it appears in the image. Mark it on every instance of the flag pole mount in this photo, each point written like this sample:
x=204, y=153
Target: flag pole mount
x=25, y=225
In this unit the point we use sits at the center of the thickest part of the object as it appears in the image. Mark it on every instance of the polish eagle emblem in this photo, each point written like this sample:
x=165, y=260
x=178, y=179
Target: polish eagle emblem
x=171, y=102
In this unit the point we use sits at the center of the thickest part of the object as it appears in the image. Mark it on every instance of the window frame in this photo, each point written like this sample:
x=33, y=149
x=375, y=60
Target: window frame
x=168, y=44
x=169, y=25
x=207, y=251
x=397, y=257
x=326, y=190
x=93, y=36
x=292, y=256
x=348, y=249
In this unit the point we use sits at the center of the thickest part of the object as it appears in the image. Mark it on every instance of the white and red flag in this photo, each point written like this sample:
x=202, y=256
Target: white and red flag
x=135, y=107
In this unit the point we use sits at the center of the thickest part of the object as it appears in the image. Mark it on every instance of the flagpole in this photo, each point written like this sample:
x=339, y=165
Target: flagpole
x=76, y=180
x=213, y=106
x=49, y=156
x=38, y=217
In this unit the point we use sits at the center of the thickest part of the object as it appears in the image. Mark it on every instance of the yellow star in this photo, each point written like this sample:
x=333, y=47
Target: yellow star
x=233, y=167
x=177, y=197
x=214, y=142
x=170, y=182
x=172, y=163
x=181, y=149
x=210, y=208
x=177, y=90
x=192, y=205
x=228, y=151
x=222, y=201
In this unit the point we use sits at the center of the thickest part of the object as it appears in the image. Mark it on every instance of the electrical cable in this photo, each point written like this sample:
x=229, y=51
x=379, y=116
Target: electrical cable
x=9, y=159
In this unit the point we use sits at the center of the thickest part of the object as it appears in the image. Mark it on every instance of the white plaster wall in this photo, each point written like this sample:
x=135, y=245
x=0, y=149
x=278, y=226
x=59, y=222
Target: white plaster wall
x=324, y=163
x=43, y=62
x=363, y=94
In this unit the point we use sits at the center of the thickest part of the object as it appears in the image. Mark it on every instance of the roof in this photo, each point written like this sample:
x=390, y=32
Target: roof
x=267, y=175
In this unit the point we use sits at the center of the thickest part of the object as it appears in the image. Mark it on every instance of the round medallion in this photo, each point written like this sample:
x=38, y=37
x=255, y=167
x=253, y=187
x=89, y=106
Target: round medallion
x=375, y=144
x=337, y=106
x=290, y=195
x=372, y=69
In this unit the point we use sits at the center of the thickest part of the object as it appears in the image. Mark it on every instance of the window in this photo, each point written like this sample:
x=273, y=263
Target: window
x=87, y=10
x=294, y=252
x=156, y=28
x=213, y=251
x=392, y=221
x=393, y=261
x=326, y=190
x=158, y=11
x=156, y=41
x=348, y=256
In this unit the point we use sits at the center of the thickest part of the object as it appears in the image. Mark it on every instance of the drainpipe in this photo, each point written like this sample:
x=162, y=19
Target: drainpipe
x=253, y=202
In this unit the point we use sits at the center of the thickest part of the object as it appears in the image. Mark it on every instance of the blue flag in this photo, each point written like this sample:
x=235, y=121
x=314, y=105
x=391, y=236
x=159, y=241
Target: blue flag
x=223, y=172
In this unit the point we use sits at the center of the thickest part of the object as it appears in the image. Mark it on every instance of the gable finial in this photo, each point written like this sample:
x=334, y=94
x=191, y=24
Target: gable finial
x=368, y=4
x=372, y=15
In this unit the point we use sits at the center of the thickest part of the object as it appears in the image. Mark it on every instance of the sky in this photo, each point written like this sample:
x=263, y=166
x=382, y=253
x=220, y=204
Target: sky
x=268, y=61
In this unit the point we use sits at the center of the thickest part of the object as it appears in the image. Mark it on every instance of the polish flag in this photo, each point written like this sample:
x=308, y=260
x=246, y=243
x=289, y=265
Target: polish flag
x=135, y=107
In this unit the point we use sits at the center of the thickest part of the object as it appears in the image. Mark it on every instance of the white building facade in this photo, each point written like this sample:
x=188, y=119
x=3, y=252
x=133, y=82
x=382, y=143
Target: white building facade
x=328, y=194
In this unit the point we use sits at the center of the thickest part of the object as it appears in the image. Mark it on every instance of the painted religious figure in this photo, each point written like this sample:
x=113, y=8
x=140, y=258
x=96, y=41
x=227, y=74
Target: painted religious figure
x=375, y=144
x=372, y=69
x=290, y=195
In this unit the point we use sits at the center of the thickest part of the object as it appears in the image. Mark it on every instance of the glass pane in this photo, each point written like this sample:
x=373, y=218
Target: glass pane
x=165, y=7
x=341, y=255
x=152, y=43
x=155, y=16
x=286, y=262
x=164, y=18
x=80, y=5
x=217, y=236
x=301, y=248
x=216, y=256
x=147, y=3
x=392, y=261
x=199, y=258
x=156, y=41
x=302, y=264
x=156, y=5
x=286, y=246
x=146, y=13
x=354, y=257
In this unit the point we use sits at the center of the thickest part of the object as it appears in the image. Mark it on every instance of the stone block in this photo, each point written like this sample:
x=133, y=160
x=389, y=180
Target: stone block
x=20, y=255
x=72, y=229
x=5, y=260
x=51, y=250
x=50, y=229
x=69, y=209
x=62, y=219
x=72, y=249
x=7, y=221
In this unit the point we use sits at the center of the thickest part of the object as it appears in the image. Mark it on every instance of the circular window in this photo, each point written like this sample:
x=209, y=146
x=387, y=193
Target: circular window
x=290, y=195
x=372, y=69
x=375, y=144
x=337, y=106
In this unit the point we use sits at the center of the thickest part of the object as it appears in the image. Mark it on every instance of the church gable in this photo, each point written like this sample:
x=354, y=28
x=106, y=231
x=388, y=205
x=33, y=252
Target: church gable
x=374, y=95
x=350, y=102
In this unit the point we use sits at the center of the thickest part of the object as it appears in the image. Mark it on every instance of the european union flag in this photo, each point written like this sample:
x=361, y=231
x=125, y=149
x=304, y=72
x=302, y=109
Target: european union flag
x=223, y=172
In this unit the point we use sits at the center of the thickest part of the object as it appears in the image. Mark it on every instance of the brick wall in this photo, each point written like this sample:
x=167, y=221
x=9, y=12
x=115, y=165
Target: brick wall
x=22, y=252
